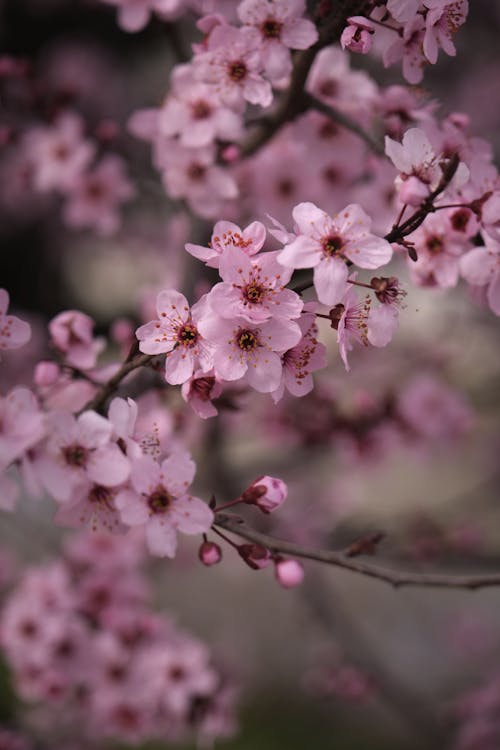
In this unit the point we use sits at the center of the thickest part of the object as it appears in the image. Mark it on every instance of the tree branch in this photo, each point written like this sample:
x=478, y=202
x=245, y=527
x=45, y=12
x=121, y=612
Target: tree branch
x=331, y=19
x=339, y=559
x=107, y=390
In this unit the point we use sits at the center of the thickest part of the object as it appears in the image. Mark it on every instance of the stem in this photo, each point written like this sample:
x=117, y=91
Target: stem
x=99, y=400
x=343, y=120
x=238, y=526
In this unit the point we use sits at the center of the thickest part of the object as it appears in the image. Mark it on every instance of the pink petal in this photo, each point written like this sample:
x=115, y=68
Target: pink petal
x=330, y=278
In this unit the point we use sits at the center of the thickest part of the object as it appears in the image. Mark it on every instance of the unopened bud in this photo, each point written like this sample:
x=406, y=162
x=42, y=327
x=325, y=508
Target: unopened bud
x=210, y=553
x=289, y=573
x=255, y=555
x=267, y=493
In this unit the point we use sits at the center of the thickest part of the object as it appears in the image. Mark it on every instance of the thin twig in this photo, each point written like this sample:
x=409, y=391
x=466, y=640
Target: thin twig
x=345, y=121
x=339, y=559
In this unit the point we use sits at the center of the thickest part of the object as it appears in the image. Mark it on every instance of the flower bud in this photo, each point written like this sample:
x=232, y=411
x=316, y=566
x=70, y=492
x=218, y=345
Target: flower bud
x=210, y=553
x=267, y=493
x=289, y=573
x=255, y=555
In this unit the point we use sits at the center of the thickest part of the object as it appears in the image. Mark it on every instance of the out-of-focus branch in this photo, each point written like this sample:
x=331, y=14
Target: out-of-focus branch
x=340, y=559
x=331, y=17
x=345, y=121
x=107, y=390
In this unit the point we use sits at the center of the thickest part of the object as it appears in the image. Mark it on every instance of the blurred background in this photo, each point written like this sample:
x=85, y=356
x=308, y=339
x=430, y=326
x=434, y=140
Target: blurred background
x=342, y=662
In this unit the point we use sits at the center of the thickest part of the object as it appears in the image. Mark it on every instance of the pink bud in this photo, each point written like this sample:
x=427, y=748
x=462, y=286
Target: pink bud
x=46, y=373
x=289, y=573
x=210, y=553
x=255, y=556
x=231, y=153
x=267, y=493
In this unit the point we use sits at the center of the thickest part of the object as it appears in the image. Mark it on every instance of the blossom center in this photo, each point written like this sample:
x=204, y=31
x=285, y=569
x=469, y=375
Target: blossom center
x=100, y=495
x=247, y=341
x=196, y=171
x=332, y=245
x=75, y=455
x=187, y=335
x=160, y=500
x=253, y=293
x=435, y=245
x=460, y=219
x=201, y=109
x=237, y=70
x=271, y=28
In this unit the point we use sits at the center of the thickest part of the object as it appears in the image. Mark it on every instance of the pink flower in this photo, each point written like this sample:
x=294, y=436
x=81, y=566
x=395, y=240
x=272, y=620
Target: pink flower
x=192, y=174
x=300, y=362
x=59, y=153
x=72, y=335
x=281, y=27
x=419, y=167
x=356, y=322
x=326, y=244
x=233, y=64
x=438, y=249
x=91, y=505
x=21, y=425
x=432, y=409
x=242, y=348
x=443, y=19
x=96, y=196
x=357, y=36
x=14, y=332
x=253, y=289
x=409, y=47
x=176, y=332
x=200, y=391
x=481, y=267
x=79, y=451
x=192, y=111
x=229, y=235
x=158, y=501
x=133, y=15
x=267, y=493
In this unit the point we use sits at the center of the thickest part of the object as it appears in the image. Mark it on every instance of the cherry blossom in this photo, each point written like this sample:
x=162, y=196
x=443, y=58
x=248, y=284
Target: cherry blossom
x=79, y=450
x=176, y=332
x=97, y=194
x=72, y=334
x=266, y=493
x=233, y=64
x=281, y=27
x=14, y=332
x=253, y=289
x=327, y=244
x=59, y=152
x=243, y=348
x=158, y=500
x=481, y=267
x=357, y=36
x=228, y=235
x=200, y=391
x=419, y=166
x=302, y=360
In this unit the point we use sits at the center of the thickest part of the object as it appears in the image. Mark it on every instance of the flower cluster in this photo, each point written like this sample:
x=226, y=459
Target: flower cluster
x=80, y=634
x=412, y=31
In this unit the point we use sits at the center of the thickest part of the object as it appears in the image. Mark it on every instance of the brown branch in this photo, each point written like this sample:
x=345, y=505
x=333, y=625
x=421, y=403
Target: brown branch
x=331, y=20
x=345, y=121
x=339, y=559
x=107, y=390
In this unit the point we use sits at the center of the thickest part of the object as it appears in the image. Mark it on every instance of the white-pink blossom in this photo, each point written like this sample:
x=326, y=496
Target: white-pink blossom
x=326, y=244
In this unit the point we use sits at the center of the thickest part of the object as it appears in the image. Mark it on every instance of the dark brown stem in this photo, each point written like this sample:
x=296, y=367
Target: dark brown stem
x=340, y=559
x=107, y=390
x=295, y=101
